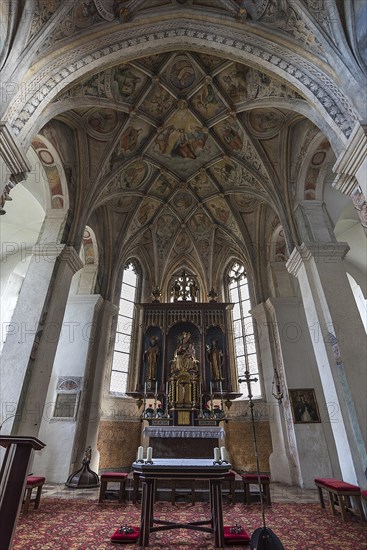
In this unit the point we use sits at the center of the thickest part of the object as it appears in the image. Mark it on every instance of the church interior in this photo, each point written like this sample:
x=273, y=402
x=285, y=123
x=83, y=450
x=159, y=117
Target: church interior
x=183, y=235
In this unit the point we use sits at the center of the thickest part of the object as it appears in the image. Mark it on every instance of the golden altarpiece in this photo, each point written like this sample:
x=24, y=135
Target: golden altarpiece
x=186, y=376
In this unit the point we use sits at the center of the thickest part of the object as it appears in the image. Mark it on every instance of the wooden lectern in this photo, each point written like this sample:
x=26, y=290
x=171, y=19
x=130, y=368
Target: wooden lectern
x=13, y=478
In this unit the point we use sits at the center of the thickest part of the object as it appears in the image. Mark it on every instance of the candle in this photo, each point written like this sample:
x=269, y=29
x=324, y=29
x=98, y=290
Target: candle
x=220, y=385
x=167, y=389
x=145, y=388
x=211, y=388
x=223, y=454
x=149, y=454
x=216, y=454
x=140, y=454
x=156, y=387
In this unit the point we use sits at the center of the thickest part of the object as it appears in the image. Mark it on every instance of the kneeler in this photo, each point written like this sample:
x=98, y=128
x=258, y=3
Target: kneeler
x=122, y=535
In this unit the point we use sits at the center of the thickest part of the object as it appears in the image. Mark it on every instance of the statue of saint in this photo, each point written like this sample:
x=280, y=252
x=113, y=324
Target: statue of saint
x=151, y=358
x=215, y=357
x=184, y=359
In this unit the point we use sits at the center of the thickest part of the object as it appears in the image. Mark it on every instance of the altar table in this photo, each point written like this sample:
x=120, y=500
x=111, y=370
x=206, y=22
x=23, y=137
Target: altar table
x=181, y=469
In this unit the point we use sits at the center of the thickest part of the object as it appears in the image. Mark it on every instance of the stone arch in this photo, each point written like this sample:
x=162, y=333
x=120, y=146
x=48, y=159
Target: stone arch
x=314, y=84
x=54, y=171
x=278, y=246
x=84, y=281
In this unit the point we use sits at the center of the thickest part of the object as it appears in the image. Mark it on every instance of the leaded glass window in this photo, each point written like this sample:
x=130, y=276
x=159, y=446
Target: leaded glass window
x=125, y=322
x=243, y=329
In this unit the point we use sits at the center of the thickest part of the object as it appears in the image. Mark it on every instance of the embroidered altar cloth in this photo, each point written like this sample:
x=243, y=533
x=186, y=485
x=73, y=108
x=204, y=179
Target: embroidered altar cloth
x=187, y=431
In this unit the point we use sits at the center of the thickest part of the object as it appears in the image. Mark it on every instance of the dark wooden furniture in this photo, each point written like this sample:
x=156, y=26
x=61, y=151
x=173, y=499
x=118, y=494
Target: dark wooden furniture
x=33, y=482
x=112, y=477
x=182, y=469
x=253, y=479
x=13, y=478
x=230, y=478
x=339, y=493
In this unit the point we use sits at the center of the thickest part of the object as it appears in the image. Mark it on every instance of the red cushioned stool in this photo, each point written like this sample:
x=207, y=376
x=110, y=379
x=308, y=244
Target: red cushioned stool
x=340, y=494
x=32, y=483
x=112, y=477
x=125, y=537
x=253, y=479
x=235, y=538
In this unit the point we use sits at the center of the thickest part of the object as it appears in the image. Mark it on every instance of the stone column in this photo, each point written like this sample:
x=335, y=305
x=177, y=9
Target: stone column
x=351, y=165
x=284, y=463
x=338, y=340
x=32, y=336
x=100, y=356
x=72, y=360
x=14, y=163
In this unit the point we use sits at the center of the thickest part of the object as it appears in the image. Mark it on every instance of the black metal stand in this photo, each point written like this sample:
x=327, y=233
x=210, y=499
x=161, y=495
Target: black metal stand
x=262, y=538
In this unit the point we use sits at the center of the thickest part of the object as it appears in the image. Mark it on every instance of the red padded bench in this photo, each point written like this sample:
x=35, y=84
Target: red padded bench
x=339, y=494
x=32, y=483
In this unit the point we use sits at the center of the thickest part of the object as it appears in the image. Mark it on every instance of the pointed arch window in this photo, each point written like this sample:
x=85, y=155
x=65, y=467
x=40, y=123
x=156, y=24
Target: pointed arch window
x=243, y=328
x=124, y=330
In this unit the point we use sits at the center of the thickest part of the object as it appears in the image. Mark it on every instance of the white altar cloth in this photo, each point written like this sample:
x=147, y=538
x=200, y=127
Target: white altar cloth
x=184, y=431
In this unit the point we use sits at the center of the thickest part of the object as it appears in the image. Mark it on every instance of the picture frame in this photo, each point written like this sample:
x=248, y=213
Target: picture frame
x=304, y=406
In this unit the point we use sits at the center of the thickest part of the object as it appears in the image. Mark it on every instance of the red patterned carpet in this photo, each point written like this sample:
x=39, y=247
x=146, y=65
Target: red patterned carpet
x=86, y=525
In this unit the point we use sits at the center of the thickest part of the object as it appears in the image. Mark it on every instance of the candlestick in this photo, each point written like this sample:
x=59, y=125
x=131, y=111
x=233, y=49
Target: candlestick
x=149, y=454
x=216, y=455
x=223, y=454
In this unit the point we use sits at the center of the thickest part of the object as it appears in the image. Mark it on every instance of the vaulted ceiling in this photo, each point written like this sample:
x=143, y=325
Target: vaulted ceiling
x=172, y=151
x=184, y=157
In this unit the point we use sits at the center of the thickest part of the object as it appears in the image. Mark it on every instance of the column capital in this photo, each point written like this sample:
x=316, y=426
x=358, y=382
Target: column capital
x=86, y=299
x=109, y=307
x=327, y=252
x=70, y=256
x=51, y=252
x=12, y=153
x=351, y=161
x=313, y=222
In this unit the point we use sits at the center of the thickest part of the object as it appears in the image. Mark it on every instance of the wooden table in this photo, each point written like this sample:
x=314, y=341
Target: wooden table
x=181, y=469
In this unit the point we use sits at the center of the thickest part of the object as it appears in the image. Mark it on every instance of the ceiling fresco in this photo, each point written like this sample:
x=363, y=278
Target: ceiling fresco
x=182, y=143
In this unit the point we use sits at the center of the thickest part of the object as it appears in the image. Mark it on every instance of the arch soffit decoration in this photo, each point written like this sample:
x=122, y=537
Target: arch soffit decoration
x=58, y=195
x=313, y=83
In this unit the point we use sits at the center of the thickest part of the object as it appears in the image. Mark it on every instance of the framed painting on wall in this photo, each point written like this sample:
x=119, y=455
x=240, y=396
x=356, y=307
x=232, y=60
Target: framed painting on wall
x=304, y=406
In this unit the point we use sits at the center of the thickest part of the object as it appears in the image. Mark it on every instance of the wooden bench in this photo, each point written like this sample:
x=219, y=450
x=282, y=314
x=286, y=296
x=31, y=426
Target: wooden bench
x=32, y=483
x=253, y=479
x=340, y=494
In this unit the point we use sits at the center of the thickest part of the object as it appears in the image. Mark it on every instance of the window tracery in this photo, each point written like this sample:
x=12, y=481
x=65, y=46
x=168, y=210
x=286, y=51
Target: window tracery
x=243, y=328
x=124, y=330
x=184, y=288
